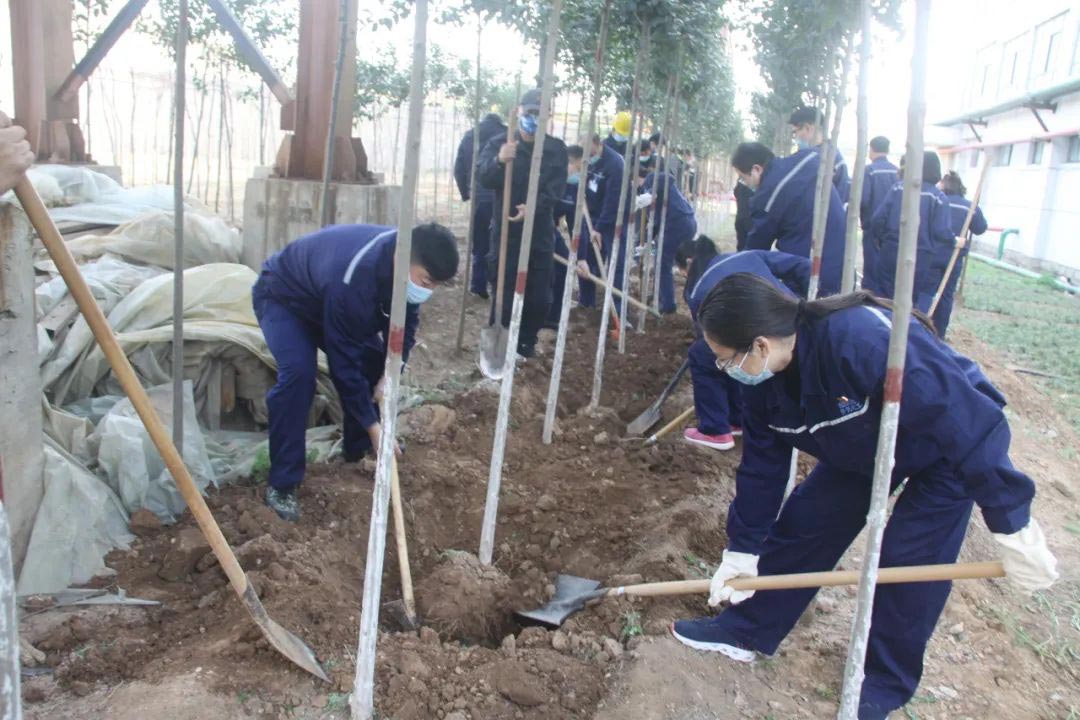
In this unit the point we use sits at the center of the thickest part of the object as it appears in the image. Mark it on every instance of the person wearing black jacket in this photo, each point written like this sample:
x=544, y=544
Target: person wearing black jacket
x=553, y=172
x=491, y=126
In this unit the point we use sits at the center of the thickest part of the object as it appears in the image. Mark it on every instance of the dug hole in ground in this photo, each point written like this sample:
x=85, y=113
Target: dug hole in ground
x=590, y=505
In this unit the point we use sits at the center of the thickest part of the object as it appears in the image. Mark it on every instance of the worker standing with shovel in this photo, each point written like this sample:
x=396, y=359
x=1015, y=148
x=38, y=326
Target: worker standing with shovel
x=553, y=172
x=815, y=375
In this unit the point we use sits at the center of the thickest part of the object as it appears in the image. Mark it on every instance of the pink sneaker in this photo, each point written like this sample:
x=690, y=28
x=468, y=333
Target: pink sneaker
x=716, y=442
x=736, y=430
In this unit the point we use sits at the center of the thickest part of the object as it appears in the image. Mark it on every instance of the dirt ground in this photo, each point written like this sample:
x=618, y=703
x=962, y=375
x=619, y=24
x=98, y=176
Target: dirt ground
x=590, y=504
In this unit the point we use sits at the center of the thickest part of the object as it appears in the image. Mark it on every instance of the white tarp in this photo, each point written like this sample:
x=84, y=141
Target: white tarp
x=81, y=194
x=79, y=520
x=110, y=280
x=131, y=464
x=149, y=239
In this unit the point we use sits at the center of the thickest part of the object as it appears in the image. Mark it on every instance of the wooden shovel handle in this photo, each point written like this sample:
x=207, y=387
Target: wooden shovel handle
x=602, y=283
x=402, y=543
x=683, y=417
x=125, y=374
x=504, y=226
x=886, y=576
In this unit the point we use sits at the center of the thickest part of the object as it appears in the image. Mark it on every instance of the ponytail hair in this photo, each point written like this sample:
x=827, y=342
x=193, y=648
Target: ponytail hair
x=744, y=306
x=697, y=253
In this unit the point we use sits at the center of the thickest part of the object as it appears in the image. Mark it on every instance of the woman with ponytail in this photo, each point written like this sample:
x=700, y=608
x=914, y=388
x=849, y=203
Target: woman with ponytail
x=813, y=376
x=716, y=396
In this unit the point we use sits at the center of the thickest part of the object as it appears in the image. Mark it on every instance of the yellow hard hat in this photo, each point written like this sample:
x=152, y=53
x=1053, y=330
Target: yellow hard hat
x=622, y=124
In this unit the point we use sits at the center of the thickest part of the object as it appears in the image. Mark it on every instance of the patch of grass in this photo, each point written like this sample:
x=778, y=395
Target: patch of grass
x=260, y=466
x=337, y=701
x=1058, y=645
x=631, y=625
x=697, y=566
x=825, y=693
x=243, y=696
x=1034, y=324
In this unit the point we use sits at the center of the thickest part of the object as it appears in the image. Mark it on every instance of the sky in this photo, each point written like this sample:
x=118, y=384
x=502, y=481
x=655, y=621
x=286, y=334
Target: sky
x=957, y=28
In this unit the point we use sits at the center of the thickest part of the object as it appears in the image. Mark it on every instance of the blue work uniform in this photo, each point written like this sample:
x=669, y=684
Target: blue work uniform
x=483, y=204
x=878, y=179
x=958, y=210
x=330, y=291
x=564, y=211
x=717, y=397
x=782, y=210
x=618, y=146
x=952, y=446
x=841, y=178
x=605, y=175
x=936, y=240
x=680, y=226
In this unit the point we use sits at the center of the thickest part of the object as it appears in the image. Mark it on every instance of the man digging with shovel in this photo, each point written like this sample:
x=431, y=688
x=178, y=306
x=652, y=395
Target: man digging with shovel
x=331, y=291
x=494, y=160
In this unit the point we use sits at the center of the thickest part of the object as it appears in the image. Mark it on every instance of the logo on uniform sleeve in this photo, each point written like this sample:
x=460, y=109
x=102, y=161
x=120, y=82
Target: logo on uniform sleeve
x=846, y=406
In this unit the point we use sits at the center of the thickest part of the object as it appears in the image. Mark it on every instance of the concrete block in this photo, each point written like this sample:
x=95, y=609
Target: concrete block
x=277, y=211
x=21, y=451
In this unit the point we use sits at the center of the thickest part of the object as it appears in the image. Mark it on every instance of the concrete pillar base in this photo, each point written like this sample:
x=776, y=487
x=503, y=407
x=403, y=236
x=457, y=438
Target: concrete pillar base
x=279, y=210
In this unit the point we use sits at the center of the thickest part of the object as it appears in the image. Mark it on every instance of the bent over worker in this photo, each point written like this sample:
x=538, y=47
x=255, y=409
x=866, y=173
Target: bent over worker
x=717, y=397
x=814, y=376
x=660, y=188
x=331, y=291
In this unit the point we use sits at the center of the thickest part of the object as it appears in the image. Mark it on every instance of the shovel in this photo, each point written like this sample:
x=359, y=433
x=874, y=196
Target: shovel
x=571, y=592
x=683, y=417
x=651, y=416
x=403, y=610
x=281, y=639
x=493, y=338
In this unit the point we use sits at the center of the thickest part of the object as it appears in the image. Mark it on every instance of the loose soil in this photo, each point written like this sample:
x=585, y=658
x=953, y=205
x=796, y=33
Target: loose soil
x=590, y=504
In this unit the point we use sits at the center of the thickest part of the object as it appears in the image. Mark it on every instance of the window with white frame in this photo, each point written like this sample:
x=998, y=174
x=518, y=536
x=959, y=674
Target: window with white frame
x=1004, y=155
x=1072, y=155
x=1035, y=154
x=1046, y=63
x=1014, y=64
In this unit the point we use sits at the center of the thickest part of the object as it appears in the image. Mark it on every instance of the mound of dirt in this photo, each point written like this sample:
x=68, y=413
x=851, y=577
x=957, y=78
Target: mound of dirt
x=463, y=600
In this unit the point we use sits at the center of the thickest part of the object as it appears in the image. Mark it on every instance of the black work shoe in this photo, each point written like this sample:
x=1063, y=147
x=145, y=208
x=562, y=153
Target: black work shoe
x=284, y=503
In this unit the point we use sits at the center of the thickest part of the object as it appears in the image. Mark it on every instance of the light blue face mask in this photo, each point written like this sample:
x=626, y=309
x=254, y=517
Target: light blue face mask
x=573, y=179
x=803, y=143
x=618, y=137
x=416, y=294
x=529, y=124
x=594, y=159
x=736, y=373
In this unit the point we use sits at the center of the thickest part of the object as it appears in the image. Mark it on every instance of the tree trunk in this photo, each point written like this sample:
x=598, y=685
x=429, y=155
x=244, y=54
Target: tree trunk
x=851, y=234
x=220, y=139
x=894, y=374
x=198, y=128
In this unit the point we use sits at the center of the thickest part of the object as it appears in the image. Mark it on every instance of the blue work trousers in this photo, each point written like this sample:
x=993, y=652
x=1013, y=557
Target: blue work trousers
x=479, y=282
x=675, y=234
x=815, y=527
x=943, y=312
x=294, y=343
x=717, y=398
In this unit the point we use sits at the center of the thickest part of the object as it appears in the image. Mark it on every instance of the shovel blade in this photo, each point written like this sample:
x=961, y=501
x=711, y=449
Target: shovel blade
x=281, y=639
x=644, y=421
x=571, y=594
x=493, y=351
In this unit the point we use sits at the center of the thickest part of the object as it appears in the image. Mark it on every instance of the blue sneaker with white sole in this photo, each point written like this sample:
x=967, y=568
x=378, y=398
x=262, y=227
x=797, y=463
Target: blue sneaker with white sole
x=705, y=633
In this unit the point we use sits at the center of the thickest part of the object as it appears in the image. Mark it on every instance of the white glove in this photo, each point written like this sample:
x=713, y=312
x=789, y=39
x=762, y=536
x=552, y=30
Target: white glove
x=1029, y=564
x=734, y=564
x=643, y=201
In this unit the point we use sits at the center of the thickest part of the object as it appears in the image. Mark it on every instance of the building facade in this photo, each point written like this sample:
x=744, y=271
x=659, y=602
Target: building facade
x=1022, y=111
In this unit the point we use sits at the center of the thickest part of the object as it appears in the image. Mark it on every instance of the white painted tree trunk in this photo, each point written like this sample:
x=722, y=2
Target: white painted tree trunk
x=466, y=276
x=178, y=234
x=851, y=235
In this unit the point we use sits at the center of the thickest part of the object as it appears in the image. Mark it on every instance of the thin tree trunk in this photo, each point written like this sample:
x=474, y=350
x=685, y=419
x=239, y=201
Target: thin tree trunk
x=131, y=128
x=851, y=235
x=894, y=374
x=466, y=277
x=335, y=101
x=506, y=389
x=178, y=237
x=198, y=128
x=229, y=150
x=362, y=702
x=397, y=134
x=220, y=139
x=262, y=124
x=613, y=264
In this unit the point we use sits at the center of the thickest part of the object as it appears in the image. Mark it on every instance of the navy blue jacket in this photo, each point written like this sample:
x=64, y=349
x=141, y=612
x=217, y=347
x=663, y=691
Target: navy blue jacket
x=619, y=146
x=782, y=270
x=782, y=210
x=340, y=281
x=958, y=210
x=680, y=211
x=553, y=173
x=841, y=178
x=490, y=126
x=828, y=403
x=936, y=238
x=602, y=191
x=878, y=178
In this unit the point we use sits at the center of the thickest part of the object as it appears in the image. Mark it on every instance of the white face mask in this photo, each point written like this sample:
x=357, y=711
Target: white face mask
x=736, y=373
x=416, y=294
